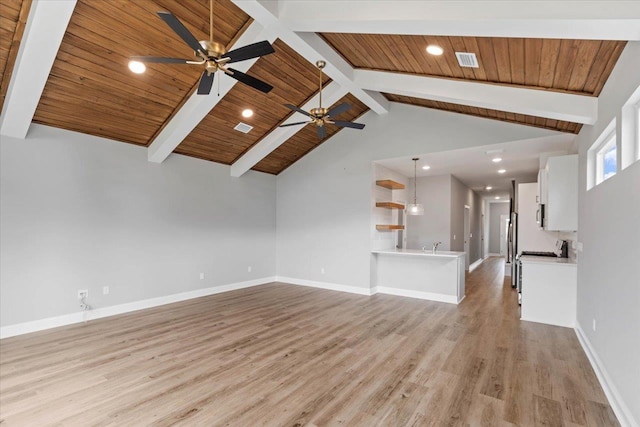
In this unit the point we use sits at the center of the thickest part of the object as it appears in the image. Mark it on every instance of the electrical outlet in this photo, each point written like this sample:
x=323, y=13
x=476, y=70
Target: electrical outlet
x=322, y=271
x=594, y=324
x=105, y=290
x=201, y=276
x=454, y=237
x=83, y=293
x=249, y=269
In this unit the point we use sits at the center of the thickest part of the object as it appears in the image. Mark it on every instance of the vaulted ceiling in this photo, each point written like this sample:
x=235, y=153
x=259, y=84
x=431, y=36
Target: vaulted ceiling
x=545, y=72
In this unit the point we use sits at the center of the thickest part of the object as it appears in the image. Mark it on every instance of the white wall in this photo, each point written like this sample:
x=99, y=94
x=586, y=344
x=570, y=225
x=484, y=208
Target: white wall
x=81, y=212
x=324, y=199
x=495, y=211
x=608, y=267
x=434, y=192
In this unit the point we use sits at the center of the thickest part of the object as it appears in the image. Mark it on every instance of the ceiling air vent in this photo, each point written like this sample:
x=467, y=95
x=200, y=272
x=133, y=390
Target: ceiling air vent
x=243, y=127
x=468, y=60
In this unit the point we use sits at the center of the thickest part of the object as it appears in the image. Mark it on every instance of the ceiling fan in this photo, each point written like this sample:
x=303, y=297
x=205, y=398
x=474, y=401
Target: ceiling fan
x=212, y=55
x=322, y=116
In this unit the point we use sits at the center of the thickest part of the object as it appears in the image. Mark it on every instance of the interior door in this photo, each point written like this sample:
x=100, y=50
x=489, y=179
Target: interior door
x=504, y=231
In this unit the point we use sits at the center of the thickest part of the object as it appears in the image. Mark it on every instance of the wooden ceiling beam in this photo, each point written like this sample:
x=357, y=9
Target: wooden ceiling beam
x=197, y=107
x=43, y=34
x=330, y=95
x=312, y=48
x=549, y=104
x=561, y=19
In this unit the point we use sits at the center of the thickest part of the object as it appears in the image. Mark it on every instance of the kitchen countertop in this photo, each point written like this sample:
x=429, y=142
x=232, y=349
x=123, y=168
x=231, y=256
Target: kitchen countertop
x=418, y=252
x=547, y=260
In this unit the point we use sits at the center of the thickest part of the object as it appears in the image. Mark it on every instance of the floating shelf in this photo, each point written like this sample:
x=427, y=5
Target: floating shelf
x=389, y=205
x=391, y=185
x=387, y=227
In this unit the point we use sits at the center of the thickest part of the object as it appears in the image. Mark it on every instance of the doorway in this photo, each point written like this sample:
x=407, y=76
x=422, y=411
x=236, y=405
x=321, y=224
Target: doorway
x=467, y=235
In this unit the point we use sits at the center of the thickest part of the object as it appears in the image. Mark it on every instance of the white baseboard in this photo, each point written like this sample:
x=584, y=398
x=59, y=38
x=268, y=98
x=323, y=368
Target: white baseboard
x=451, y=299
x=326, y=285
x=492, y=254
x=619, y=408
x=476, y=264
x=98, y=313
x=546, y=322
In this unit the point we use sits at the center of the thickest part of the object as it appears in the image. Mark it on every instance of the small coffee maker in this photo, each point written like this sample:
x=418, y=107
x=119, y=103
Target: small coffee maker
x=562, y=247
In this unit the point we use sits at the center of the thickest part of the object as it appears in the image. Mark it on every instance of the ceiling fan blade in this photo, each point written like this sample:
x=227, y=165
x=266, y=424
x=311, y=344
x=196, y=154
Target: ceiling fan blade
x=182, y=31
x=299, y=110
x=343, y=124
x=250, y=81
x=322, y=132
x=293, y=124
x=159, y=59
x=338, y=109
x=250, y=51
x=206, y=82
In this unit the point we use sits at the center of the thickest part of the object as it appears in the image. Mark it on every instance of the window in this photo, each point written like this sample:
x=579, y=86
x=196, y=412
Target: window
x=629, y=137
x=603, y=157
x=606, y=161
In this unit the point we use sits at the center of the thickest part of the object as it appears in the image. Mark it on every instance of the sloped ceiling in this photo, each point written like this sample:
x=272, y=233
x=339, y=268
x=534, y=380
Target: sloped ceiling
x=13, y=18
x=91, y=90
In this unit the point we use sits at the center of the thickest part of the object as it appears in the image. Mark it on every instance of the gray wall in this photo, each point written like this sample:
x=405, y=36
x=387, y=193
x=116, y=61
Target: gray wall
x=609, y=228
x=81, y=212
x=495, y=210
x=324, y=199
x=462, y=195
x=434, y=192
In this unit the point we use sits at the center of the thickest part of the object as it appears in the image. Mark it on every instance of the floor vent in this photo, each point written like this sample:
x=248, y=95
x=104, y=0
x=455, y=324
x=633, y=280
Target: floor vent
x=243, y=127
x=468, y=60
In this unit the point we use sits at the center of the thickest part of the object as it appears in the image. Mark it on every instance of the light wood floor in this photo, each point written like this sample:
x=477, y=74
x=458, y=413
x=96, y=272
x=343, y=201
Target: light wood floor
x=285, y=355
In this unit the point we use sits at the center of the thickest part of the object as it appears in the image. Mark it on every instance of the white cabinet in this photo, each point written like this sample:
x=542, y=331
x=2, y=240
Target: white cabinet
x=561, y=211
x=541, y=196
x=549, y=291
x=530, y=236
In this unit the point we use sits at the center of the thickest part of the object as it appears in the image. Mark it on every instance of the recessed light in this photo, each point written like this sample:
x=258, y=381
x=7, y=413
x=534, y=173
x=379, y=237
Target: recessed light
x=434, y=49
x=497, y=197
x=496, y=159
x=502, y=171
x=247, y=113
x=137, y=67
x=426, y=167
x=488, y=187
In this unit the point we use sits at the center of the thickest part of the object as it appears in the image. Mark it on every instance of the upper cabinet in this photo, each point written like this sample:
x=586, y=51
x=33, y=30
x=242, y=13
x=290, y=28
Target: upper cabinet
x=558, y=192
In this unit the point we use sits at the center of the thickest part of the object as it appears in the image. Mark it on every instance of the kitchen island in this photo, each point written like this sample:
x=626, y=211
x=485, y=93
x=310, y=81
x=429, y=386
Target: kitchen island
x=413, y=273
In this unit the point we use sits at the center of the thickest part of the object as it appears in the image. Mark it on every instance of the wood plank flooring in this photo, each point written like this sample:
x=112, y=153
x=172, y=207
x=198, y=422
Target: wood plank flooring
x=283, y=355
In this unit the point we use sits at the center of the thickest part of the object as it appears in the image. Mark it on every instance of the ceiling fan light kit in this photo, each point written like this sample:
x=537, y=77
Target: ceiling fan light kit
x=211, y=54
x=321, y=116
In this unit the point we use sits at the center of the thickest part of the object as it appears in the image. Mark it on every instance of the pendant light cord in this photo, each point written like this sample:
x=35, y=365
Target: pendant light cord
x=415, y=180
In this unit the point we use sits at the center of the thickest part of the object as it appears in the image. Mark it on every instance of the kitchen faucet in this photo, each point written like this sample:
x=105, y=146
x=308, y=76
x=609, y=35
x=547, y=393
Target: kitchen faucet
x=435, y=246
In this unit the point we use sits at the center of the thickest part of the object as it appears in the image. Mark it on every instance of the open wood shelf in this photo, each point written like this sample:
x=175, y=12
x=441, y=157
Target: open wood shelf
x=389, y=205
x=391, y=185
x=387, y=227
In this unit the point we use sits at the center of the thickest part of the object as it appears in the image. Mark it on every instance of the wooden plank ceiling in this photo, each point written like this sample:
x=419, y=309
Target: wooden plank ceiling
x=307, y=139
x=294, y=81
x=504, y=116
x=574, y=66
x=13, y=18
x=91, y=90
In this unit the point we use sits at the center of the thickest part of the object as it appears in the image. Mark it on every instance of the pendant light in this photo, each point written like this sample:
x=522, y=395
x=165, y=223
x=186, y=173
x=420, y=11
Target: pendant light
x=415, y=208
